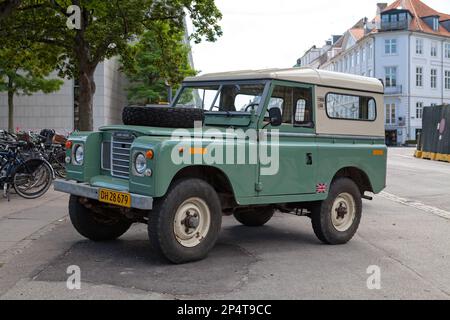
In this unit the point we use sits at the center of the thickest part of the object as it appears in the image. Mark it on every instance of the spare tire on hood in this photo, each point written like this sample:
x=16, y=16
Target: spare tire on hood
x=162, y=116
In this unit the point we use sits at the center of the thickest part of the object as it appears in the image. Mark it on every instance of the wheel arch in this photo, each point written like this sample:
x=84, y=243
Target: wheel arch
x=211, y=175
x=357, y=175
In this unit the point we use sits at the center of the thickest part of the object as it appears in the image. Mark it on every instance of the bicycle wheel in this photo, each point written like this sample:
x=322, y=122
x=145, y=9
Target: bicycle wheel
x=59, y=164
x=32, y=179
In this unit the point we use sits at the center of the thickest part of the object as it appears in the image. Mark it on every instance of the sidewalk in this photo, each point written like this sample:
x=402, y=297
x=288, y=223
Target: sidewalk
x=23, y=221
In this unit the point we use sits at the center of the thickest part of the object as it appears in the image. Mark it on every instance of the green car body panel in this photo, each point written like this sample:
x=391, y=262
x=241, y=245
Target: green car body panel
x=307, y=158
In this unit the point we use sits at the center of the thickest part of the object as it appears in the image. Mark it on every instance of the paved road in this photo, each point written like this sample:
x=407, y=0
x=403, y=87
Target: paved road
x=405, y=231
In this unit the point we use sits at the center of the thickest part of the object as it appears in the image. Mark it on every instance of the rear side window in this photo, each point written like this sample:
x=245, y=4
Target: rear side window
x=350, y=107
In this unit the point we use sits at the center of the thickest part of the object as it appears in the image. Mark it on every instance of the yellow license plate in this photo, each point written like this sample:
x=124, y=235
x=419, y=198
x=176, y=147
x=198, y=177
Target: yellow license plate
x=122, y=199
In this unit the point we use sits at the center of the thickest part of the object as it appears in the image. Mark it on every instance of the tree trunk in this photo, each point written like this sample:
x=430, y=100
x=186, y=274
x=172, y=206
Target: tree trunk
x=10, y=105
x=87, y=91
x=7, y=6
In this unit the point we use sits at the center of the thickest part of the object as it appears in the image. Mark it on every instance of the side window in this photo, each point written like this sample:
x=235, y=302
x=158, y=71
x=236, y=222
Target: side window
x=295, y=105
x=282, y=97
x=300, y=111
x=303, y=115
x=350, y=107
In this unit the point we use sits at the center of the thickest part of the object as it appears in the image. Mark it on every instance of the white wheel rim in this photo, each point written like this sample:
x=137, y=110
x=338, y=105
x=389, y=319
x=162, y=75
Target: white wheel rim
x=343, y=212
x=192, y=222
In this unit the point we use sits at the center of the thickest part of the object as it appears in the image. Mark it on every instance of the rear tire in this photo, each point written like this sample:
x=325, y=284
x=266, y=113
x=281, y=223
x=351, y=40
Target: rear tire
x=185, y=224
x=93, y=227
x=336, y=219
x=254, y=217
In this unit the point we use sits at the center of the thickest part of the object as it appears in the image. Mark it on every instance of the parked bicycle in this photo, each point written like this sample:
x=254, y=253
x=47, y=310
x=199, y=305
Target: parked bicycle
x=47, y=144
x=30, y=177
x=52, y=147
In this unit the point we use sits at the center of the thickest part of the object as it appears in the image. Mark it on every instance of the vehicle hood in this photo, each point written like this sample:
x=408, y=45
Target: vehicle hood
x=166, y=132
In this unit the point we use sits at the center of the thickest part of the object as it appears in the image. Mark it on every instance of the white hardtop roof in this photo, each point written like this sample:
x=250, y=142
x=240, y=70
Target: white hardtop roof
x=303, y=75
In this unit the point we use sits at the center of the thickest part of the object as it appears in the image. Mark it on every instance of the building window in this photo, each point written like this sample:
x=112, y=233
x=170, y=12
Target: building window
x=419, y=77
x=447, y=80
x=419, y=110
x=363, y=54
x=402, y=17
x=436, y=24
x=391, y=76
x=434, y=78
x=447, y=51
x=358, y=57
x=390, y=46
x=369, y=52
x=419, y=46
x=369, y=73
x=391, y=114
x=434, y=49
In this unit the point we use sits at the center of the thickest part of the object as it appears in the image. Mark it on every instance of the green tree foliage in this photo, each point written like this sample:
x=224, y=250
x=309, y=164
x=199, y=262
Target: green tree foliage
x=158, y=60
x=24, y=71
x=106, y=29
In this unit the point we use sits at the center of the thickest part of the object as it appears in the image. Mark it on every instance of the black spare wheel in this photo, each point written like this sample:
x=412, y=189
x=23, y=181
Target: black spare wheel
x=162, y=116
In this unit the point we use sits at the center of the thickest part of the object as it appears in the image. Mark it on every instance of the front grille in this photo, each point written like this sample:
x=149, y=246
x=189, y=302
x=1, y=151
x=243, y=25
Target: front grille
x=106, y=155
x=120, y=154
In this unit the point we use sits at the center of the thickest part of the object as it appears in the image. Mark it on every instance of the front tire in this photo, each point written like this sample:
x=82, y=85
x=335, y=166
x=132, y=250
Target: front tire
x=336, y=219
x=93, y=226
x=184, y=225
x=254, y=217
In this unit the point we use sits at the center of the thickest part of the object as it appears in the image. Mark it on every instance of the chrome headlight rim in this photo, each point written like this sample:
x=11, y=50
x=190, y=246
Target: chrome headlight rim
x=78, y=154
x=139, y=163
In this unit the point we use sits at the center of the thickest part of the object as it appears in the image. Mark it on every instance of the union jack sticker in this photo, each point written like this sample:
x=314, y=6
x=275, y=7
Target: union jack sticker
x=321, y=188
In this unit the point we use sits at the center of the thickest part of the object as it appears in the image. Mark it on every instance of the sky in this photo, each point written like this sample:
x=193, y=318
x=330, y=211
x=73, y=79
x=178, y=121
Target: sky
x=275, y=33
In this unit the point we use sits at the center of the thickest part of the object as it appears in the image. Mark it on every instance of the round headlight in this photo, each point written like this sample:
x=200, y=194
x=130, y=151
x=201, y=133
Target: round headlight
x=140, y=163
x=79, y=154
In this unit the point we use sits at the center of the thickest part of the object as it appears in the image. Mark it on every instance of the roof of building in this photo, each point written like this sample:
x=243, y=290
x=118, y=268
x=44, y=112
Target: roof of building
x=357, y=33
x=303, y=75
x=420, y=10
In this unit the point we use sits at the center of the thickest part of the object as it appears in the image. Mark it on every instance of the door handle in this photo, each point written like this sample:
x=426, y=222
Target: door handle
x=309, y=159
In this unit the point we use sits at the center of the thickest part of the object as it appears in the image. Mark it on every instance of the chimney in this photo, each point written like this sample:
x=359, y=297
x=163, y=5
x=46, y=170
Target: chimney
x=381, y=7
x=367, y=26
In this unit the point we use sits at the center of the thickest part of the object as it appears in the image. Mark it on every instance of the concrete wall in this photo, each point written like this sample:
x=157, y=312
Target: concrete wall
x=41, y=110
x=55, y=110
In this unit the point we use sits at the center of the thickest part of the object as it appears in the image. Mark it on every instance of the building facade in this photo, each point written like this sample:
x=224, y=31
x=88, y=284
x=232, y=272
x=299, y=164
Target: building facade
x=407, y=45
x=59, y=110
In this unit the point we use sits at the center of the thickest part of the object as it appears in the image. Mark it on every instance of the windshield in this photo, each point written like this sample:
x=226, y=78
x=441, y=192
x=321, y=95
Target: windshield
x=241, y=98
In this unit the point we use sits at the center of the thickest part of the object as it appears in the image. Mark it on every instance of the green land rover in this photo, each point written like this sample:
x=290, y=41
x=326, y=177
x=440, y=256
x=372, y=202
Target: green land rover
x=247, y=144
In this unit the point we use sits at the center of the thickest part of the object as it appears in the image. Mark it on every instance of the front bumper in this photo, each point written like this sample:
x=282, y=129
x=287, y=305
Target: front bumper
x=87, y=191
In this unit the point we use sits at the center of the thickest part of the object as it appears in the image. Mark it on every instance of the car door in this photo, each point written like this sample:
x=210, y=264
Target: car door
x=288, y=153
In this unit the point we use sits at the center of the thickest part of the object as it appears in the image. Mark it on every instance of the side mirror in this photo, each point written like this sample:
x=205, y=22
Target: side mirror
x=276, y=118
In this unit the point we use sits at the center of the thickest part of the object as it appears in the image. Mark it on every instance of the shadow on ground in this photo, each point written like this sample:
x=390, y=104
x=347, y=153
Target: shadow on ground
x=130, y=263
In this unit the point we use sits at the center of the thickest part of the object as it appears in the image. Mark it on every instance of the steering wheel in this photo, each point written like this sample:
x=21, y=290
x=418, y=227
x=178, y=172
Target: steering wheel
x=251, y=105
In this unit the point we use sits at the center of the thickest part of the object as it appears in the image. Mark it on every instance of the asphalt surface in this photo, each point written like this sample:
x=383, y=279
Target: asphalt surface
x=405, y=232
